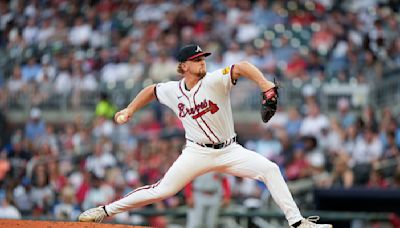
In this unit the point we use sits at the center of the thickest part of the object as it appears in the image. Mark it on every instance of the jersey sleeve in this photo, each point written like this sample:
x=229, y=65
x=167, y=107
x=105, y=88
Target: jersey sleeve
x=222, y=79
x=165, y=93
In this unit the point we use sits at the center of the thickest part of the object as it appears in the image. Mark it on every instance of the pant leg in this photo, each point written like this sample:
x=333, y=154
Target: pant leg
x=192, y=218
x=199, y=216
x=189, y=165
x=239, y=161
x=212, y=215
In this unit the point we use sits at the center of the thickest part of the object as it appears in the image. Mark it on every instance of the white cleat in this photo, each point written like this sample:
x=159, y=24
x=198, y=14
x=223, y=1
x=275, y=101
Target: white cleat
x=310, y=222
x=96, y=214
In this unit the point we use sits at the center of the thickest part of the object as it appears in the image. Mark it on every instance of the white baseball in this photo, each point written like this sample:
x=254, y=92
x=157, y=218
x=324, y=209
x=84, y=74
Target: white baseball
x=122, y=118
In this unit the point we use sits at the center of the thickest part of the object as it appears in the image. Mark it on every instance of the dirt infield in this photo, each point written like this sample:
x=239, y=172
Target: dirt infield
x=9, y=223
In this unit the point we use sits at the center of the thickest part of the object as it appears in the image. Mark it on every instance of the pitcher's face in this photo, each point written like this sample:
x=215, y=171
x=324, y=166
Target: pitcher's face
x=197, y=66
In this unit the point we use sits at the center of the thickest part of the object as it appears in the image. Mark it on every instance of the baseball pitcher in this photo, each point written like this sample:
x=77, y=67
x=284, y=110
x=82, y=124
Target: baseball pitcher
x=201, y=100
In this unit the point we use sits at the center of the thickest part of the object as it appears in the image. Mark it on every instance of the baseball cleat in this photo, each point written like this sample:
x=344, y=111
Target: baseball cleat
x=96, y=214
x=310, y=223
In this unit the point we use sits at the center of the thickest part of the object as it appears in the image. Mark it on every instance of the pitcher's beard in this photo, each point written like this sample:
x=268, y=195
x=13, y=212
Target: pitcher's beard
x=202, y=73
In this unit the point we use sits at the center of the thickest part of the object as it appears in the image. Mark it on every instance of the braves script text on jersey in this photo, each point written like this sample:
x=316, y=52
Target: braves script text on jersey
x=204, y=110
x=206, y=114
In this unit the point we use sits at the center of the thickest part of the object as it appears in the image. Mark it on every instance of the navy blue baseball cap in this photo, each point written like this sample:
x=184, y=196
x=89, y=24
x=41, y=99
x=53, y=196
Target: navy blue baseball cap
x=190, y=52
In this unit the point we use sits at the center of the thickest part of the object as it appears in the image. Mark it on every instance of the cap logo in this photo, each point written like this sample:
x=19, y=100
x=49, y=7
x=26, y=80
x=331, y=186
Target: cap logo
x=198, y=49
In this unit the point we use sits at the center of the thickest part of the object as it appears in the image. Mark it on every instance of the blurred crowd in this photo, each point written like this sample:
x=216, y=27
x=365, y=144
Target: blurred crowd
x=56, y=170
x=53, y=47
x=47, y=48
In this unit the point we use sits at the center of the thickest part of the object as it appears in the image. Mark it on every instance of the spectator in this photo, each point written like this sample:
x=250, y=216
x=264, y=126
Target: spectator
x=43, y=91
x=61, y=31
x=22, y=197
x=376, y=38
x=294, y=123
x=130, y=71
x=279, y=120
x=51, y=138
x=149, y=127
x=314, y=122
x=284, y=53
x=31, y=31
x=391, y=149
x=367, y=151
x=217, y=63
x=80, y=181
x=369, y=118
x=104, y=107
x=46, y=31
x=341, y=176
x=377, y=180
x=267, y=145
x=264, y=59
x=372, y=67
x=16, y=85
x=296, y=67
x=42, y=194
x=82, y=141
x=99, y=193
x=246, y=192
x=368, y=148
x=17, y=155
x=338, y=61
x=315, y=67
x=83, y=85
x=298, y=166
x=63, y=81
x=66, y=209
x=331, y=141
x=345, y=116
x=4, y=166
x=36, y=126
x=80, y=32
x=233, y=54
x=101, y=159
x=8, y=211
x=57, y=179
x=47, y=71
x=116, y=179
x=323, y=40
x=351, y=135
x=264, y=16
x=204, y=197
x=163, y=68
x=246, y=30
x=394, y=52
x=102, y=127
x=314, y=155
x=30, y=70
x=172, y=126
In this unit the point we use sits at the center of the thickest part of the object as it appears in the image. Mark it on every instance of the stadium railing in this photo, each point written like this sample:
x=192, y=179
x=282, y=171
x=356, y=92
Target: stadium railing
x=246, y=97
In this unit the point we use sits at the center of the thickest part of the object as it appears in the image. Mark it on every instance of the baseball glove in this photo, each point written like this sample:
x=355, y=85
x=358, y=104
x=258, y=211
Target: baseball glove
x=269, y=103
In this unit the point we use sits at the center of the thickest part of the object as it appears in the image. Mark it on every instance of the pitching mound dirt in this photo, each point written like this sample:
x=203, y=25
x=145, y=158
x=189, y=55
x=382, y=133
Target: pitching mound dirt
x=9, y=223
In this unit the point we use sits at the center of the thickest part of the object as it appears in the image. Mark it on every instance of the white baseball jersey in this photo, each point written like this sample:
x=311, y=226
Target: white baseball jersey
x=205, y=110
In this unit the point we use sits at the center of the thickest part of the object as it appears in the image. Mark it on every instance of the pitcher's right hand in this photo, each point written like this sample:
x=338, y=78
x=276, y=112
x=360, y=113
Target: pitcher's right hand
x=122, y=116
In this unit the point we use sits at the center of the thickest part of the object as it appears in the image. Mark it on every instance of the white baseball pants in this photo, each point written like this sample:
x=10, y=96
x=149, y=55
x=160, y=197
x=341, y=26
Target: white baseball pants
x=196, y=160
